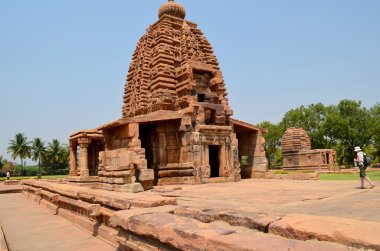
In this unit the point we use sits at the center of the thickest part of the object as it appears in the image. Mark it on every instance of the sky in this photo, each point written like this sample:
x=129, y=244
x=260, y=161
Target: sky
x=63, y=63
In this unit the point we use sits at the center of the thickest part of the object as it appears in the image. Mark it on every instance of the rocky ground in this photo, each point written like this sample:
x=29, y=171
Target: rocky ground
x=253, y=214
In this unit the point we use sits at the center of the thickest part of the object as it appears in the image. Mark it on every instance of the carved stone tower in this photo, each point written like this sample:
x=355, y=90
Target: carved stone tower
x=176, y=125
x=174, y=68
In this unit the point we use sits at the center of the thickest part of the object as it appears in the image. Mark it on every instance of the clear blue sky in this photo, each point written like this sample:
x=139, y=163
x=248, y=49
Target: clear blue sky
x=63, y=63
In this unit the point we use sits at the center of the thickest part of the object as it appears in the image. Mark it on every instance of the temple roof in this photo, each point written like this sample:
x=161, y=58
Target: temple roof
x=172, y=9
x=146, y=118
x=242, y=127
x=172, y=62
x=294, y=140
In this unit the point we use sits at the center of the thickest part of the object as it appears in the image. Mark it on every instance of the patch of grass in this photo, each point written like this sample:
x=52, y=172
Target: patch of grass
x=280, y=172
x=34, y=177
x=373, y=175
x=305, y=171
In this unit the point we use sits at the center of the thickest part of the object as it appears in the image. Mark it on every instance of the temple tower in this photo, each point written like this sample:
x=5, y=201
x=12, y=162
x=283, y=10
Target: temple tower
x=174, y=68
x=176, y=125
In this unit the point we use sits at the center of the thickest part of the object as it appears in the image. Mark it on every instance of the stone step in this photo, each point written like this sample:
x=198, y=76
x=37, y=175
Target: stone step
x=252, y=220
x=116, y=200
x=189, y=234
x=350, y=232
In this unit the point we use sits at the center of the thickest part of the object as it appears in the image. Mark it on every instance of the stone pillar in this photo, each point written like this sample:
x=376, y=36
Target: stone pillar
x=83, y=161
x=73, y=158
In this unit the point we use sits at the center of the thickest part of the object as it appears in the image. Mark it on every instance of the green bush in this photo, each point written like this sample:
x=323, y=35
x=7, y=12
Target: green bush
x=280, y=172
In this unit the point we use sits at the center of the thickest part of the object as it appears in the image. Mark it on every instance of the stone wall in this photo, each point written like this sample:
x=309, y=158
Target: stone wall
x=251, y=147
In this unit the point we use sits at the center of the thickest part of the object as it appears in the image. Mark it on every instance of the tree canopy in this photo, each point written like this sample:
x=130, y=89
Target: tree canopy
x=20, y=147
x=38, y=151
x=55, y=155
x=340, y=127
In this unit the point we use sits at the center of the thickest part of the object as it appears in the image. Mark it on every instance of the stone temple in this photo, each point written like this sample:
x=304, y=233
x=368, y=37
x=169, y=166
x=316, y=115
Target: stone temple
x=297, y=152
x=176, y=125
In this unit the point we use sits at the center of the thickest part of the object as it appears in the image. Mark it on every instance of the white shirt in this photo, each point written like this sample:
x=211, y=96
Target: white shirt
x=359, y=158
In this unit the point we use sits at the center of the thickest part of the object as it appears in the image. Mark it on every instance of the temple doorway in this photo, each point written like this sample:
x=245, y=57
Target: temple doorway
x=161, y=142
x=328, y=158
x=213, y=151
x=147, y=137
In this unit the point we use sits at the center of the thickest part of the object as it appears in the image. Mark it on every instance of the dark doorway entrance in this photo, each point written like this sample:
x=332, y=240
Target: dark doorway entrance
x=327, y=158
x=213, y=152
x=147, y=137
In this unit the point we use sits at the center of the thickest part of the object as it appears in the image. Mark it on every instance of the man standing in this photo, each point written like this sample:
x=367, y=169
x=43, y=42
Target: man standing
x=8, y=175
x=360, y=161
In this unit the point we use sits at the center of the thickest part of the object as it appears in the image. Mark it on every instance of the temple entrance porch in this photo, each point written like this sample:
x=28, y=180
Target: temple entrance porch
x=162, y=144
x=84, y=156
x=251, y=150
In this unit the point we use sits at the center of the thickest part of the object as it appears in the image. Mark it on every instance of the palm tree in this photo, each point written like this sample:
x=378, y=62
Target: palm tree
x=64, y=154
x=19, y=147
x=38, y=151
x=53, y=153
x=1, y=161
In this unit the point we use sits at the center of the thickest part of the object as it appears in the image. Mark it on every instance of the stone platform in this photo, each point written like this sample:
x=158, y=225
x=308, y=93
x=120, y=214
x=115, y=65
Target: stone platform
x=7, y=187
x=30, y=227
x=246, y=215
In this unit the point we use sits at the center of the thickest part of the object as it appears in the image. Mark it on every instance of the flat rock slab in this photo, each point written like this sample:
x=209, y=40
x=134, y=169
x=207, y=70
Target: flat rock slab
x=189, y=234
x=10, y=188
x=28, y=226
x=251, y=220
x=3, y=244
x=118, y=200
x=362, y=234
x=121, y=218
x=328, y=198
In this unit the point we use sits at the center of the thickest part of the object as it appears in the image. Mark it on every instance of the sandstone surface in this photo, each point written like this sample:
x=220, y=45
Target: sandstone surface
x=361, y=234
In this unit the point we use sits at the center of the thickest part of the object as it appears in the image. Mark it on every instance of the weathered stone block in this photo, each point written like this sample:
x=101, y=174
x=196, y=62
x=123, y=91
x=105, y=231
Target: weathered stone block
x=143, y=164
x=260, y=168
x=145, y=174
x=118, y=167
x=128, y=157
x=131, y=187
x=124, y=173
x=108, y=187
x=351, y=232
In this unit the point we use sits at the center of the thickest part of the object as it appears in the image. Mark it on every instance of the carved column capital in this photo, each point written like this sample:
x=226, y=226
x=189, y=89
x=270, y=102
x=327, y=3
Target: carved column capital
x=84, y=142
x=73, y=144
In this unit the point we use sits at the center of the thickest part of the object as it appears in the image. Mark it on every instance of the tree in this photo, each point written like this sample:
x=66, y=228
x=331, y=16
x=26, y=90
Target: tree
x=272, y=142
x=38, y=151
x=340, y=127
x=375, y=129
x=8, y=166
x=64, y=155
x=53, y=153
x=57, y=154
x=19, y=147
x=350, y=125
x=1, y=161
x=312, y=119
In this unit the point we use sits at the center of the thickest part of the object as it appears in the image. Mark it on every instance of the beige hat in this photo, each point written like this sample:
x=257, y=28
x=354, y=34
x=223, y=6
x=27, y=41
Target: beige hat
x=357, y=149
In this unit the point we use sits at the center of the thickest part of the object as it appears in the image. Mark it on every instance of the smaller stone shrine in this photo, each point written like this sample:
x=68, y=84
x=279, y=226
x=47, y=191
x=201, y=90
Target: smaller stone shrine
x=297, y=152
